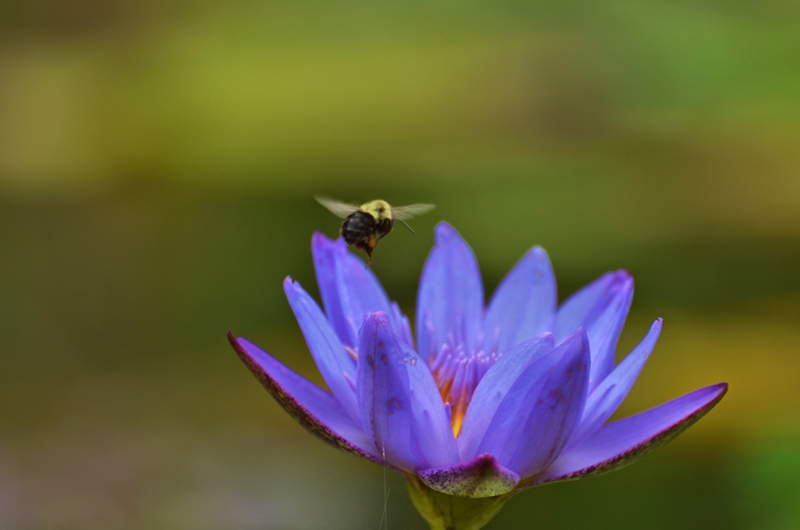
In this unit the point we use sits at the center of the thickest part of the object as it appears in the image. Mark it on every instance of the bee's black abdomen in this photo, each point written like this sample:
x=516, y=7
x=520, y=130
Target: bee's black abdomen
x=357, y=228
x=383, y=227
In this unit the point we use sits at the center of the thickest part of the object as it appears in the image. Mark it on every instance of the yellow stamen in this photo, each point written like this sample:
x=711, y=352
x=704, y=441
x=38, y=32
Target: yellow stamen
x=458, y=404
x=458, y=411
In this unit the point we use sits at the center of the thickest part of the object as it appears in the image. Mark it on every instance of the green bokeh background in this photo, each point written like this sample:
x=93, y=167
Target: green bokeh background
x=157, y=167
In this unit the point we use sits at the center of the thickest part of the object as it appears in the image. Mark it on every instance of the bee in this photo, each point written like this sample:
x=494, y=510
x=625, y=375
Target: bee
x=365, y=225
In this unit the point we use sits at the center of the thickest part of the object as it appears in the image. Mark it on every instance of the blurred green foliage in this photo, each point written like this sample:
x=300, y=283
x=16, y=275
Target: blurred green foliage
x=768, y=481
x=157, y=167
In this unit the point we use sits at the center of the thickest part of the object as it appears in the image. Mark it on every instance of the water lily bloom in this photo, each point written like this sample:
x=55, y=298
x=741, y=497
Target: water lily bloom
x=490, y=399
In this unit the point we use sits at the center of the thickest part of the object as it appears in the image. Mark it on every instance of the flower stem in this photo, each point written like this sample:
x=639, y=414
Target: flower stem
x=448, y=512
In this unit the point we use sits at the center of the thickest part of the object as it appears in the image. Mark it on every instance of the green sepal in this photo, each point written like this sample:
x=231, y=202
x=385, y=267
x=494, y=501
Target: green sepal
x=481, y=477
x=448, y=512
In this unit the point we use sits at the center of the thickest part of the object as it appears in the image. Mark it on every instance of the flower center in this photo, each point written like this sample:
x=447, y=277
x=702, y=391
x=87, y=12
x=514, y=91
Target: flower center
x=457, y=373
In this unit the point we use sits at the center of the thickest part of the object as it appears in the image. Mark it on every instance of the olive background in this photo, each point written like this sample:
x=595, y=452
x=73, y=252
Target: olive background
x=157, y=167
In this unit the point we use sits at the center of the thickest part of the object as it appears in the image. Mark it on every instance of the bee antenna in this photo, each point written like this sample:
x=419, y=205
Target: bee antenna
x=406, y=225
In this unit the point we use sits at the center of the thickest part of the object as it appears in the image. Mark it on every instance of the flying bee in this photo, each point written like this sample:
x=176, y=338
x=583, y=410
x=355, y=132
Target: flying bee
x=365, y=225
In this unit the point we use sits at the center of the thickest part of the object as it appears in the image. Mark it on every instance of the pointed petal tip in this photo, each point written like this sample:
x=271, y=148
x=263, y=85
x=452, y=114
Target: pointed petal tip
x=234, y=342
x=547, y=336
x=378, y=317
x=293, y=288
x=445, y=231
x=289, y=287
x=375, y=323
x=714, y=394
x=319, y=241
x=657, y=325
x=580, y=340
x=579, y=335
x=480, y=477
x=538, y=253
x=623, y=279
x=617, y=280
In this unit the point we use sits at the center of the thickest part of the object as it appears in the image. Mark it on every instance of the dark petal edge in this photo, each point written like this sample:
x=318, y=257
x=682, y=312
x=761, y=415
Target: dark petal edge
x=480, y=477
x=295, y=409
x=636, y=452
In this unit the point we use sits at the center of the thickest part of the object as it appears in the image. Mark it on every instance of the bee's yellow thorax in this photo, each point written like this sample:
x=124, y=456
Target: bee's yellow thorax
x=378, y=209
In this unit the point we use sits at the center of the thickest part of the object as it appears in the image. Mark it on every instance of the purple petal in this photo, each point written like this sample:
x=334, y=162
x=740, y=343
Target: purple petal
x=492, y=389
x=538, y=414
x=349, y=291
x=600, y=308
x=333, y=362
x=608, y=395
x=524, y=304
x=401, y=408
x=480, y=477
x=622, y=442
x=401, y=325
x=312, y=407
x=450, y=300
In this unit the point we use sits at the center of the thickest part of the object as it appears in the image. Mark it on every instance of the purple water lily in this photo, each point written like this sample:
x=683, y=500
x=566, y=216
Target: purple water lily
x=493, y=399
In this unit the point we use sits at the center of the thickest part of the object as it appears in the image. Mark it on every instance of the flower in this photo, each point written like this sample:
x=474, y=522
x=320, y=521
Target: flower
x=493, y=399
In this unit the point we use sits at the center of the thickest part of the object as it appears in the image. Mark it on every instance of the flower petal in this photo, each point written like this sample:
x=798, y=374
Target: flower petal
x=401, y=325
x=600, y=308
x=622, y=442
x=349, y=291
x=316, y=410
x=400, y=404
x=540, y=410
x=450, y=300
x=524, y=305
x=492, y=389
x=333, y=362
x=606, y=398
x=478, y=478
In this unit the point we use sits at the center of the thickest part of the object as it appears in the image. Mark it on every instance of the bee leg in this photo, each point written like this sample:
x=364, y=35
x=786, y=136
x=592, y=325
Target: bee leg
x=368, y=250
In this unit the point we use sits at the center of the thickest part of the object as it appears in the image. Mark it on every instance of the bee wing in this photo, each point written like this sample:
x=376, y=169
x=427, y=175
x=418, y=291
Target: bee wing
x=338, y=208
x=401, y=213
